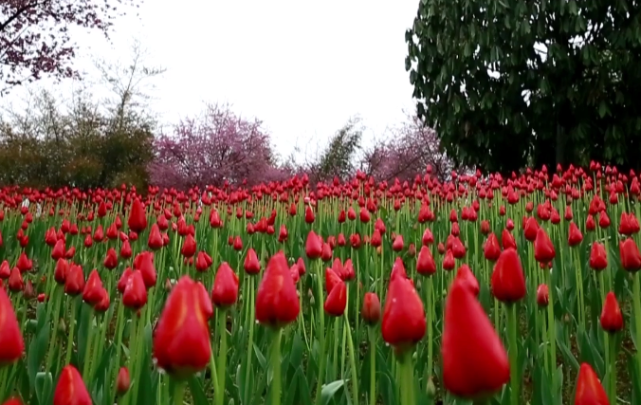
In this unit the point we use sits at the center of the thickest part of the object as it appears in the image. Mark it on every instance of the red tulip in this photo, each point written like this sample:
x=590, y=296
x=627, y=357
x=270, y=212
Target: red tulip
x=611, y=317
x=189, y=246
x=277, y=301
x=543, y=248
x=371, y=310
x=588, y=388
x=251, y=264
x=70, y=389
x=425, y=264
x=575, y=236
x=491, y=248
x=404, y=321
x=508, y=281
x=475, y=363
x=11, y=343
x=464, y=275
x=92, y=292
x=336, y=300
x=225, y=291
x=630, y=256
x=111, y=260
x=155, y=237
x=598, y=257
x=137, y=217
x=181, y=343
x=135, y=294
x=313, y=245
x=542, y=295
x=123, y=382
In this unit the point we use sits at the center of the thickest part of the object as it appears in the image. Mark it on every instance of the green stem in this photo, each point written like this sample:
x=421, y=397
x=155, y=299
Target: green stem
x=430, y=345
x=179, y=392
x=250, y=348
x=612, y=368
x=372, y=366
x=352, y=360
x=222, y=356
x=637, y=316
x=321, y=329
x=513, y=353
x=87, y=359
x=72, y=327
x=551, y=330
x=407, y=379
x=276, y=383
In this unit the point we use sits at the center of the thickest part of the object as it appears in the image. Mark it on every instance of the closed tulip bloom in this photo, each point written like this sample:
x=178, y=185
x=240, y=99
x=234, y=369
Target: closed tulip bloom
x=398, y=243
x=590, y=225
x=181, y=343
x=530, y=229
x=542, y=295
x=491, y=248
x=313, y=246
x=404, y=320
x=598, y=257
x=575, y=237
x=251, y=264
x=75, y=280
x=507, y=240
x=332, y=279
x=371, y=310
x=508, y=281
x=611, y=317
x=336, y=300
x=125, y=250
x=71, y=390
x=475, y=363
x=13, y=401
x=458, y=249
x=465, y=276
x=277, y=301
x=15, y=280
x=137, y=217
x=225, y=291
x=135, y=295
x=425, y=264
x=144, y=261
x=155, y=238
x=543, y=248
x=203, y=261
x=92, y=292
x=630, y=256
x=123, y=382
x=589, y=390
x=448, y=261
x=111, y=259
x=11, y=342
x=189, y=246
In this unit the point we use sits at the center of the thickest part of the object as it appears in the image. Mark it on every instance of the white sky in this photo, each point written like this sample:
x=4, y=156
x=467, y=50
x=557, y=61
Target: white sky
x=302, y=67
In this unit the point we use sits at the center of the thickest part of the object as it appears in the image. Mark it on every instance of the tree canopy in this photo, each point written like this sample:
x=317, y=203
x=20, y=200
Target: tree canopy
x=35, y=36
x=507, y=83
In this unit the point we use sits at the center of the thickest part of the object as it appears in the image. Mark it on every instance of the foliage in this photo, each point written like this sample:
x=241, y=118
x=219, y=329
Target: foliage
x=216, y=147
x=50, y=146
x=35, y=36
x=509, y=82
x=338, y=159
x=410, y=149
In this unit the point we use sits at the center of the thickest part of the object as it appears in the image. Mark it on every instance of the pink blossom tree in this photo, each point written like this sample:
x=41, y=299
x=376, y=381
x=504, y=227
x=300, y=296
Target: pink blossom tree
x=216, y=147
x=411, y=148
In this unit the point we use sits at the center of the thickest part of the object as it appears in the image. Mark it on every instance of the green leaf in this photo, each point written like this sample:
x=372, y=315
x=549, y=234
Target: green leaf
x=44, y=387
x=329, y=390
x=197, y=393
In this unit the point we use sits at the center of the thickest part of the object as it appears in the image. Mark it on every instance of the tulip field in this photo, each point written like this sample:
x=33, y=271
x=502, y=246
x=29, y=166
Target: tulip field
x=479, y=290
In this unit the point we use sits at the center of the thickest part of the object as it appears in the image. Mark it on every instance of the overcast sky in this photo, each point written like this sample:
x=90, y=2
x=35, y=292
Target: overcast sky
x=302, y=67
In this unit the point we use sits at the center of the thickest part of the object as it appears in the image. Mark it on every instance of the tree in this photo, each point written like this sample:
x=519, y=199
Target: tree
x=35, y=35
x=408, y=151
x=506, y=83
x=216, y=147
x=338, y=158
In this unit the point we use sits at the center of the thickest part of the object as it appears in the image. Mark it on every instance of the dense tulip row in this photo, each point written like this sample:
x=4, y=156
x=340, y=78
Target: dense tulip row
x=480, y=290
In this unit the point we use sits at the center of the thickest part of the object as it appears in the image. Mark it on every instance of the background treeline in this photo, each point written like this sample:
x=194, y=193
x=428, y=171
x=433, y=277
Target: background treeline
x=90, y=142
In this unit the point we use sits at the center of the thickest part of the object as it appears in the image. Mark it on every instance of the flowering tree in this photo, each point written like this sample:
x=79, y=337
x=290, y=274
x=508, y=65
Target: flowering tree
x=35, y=37
x=216, y=147
x=408, y=152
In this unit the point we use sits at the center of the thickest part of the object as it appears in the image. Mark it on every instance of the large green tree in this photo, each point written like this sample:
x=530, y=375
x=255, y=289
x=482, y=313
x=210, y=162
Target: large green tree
x=508, y=83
